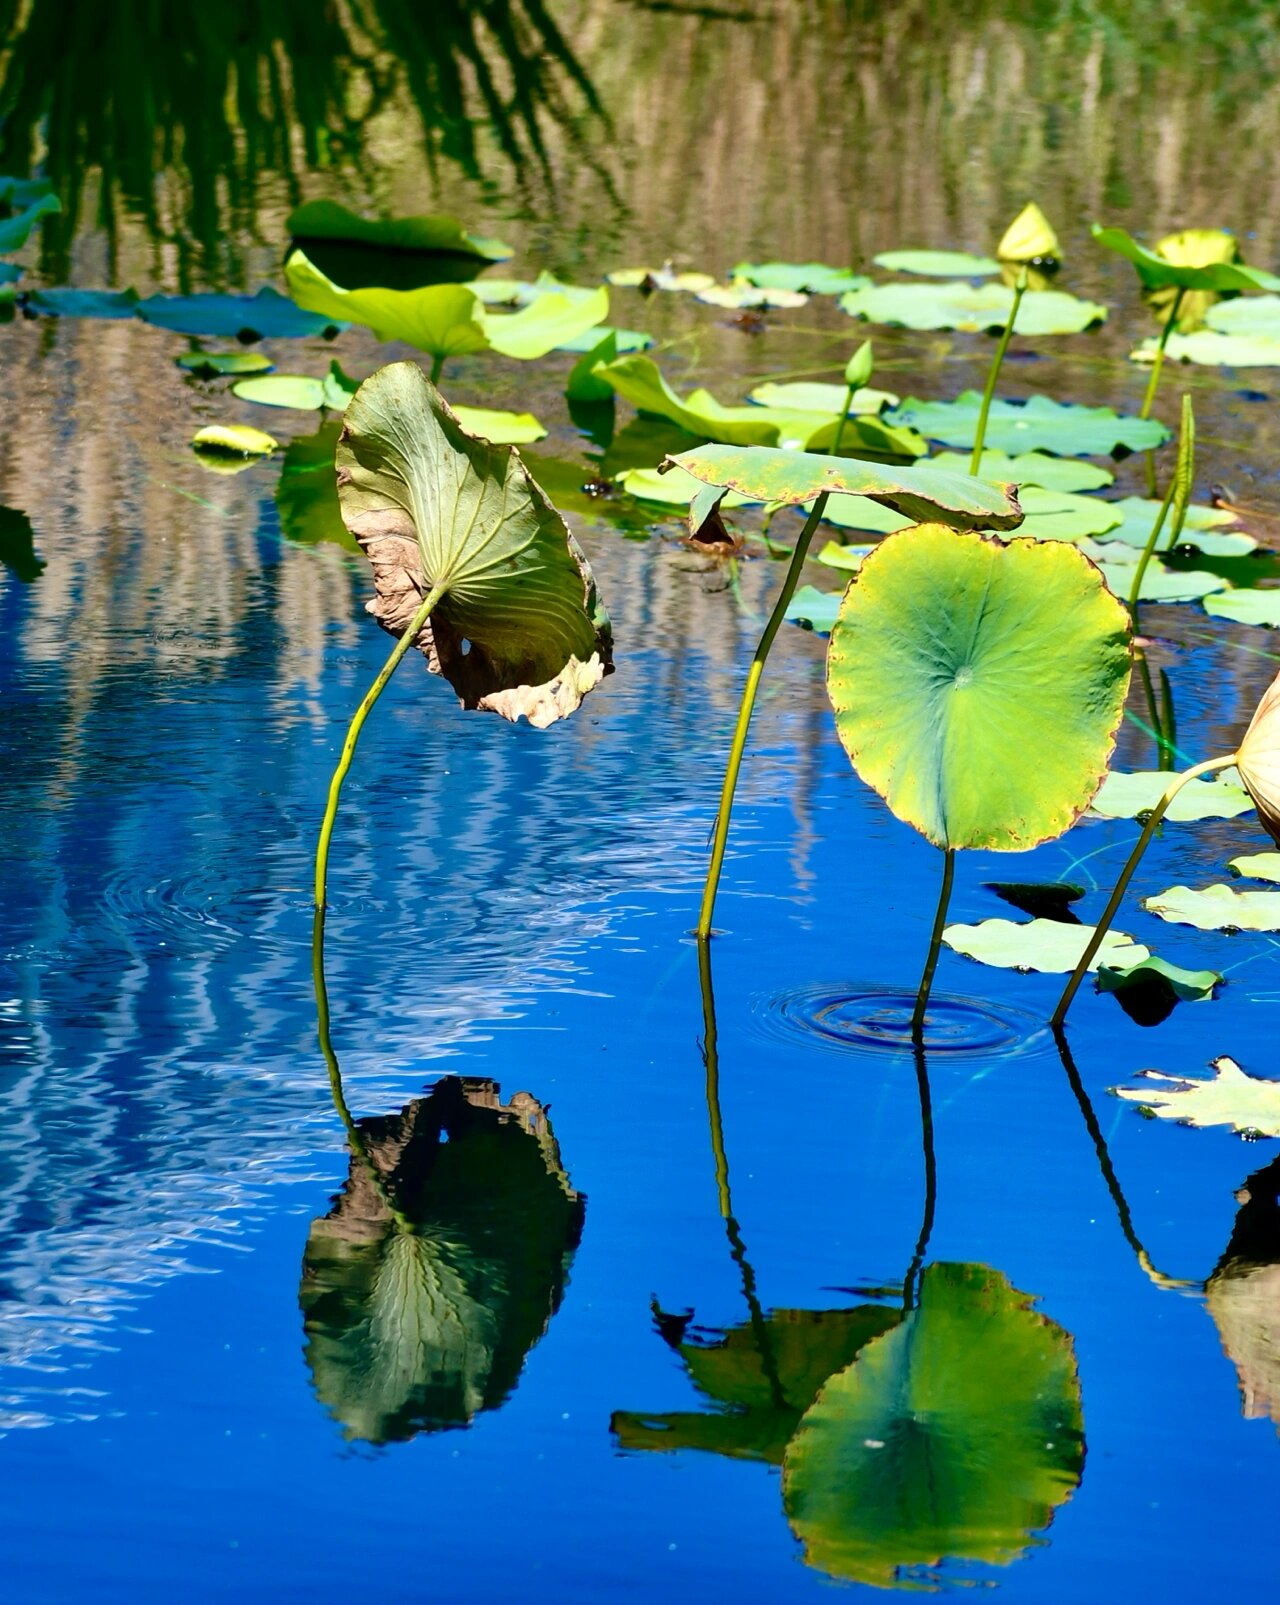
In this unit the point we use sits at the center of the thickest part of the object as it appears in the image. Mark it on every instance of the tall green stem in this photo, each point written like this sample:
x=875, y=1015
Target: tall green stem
x=1178, y=496
x=353, y=735
x=747, y=705
x=437, y=367
x=1148, y=401
x=935, y=946
x=997, y=362
x=1126, y=875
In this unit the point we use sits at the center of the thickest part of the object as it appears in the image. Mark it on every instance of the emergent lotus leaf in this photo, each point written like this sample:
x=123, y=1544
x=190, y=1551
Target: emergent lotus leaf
x=1195, y=259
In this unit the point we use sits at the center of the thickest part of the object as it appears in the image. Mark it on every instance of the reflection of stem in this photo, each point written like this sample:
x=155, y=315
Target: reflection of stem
x=909, y=1285
x=935, y=946
x=1161, y=718
x=737, y=1248
x=1126, y=875
x=1152, y=384
x=353, y=735
x=1171, y=1283
x=997, y=362
x=1178, y=496
x=354, y=1135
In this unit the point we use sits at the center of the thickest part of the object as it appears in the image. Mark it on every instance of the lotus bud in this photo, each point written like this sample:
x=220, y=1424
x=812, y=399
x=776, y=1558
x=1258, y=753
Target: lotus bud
x=1258, y=760
x=860, y=367
x=1030, y=238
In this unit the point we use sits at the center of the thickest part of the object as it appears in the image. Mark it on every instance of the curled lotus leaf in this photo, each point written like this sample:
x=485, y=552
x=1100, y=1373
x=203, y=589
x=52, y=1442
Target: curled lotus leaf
x=1258, y=760
x=765, y=474
x=1230, y=1097
x=518, y=629
x=1195, y=259
x=978, y=685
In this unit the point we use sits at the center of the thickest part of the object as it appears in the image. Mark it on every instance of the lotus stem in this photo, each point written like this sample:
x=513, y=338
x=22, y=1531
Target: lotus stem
x=437, y=367
x=412, y=631
x=1148, y=401
x=910, y=1281
x=935, y=947
x=1178, y=496
x=997, y=362
x=1126, y=875
x=354, y=1135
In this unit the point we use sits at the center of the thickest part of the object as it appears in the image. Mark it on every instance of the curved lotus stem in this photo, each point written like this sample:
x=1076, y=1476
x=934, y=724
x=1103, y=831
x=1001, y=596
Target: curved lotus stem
x=412, y=631
x=1126, y=875
x=911, y=1280
x=935, y=947
x=1153, y=383
x=997, y=362
x=1178, y=496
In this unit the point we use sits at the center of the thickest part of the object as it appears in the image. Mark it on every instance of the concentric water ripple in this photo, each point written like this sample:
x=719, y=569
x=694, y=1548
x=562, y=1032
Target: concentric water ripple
x=869, y=1019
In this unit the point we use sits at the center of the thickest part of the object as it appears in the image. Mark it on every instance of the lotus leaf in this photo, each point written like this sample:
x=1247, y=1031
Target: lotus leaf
x=15, y=230
x=1230, y=1097
x=296, y=390
x=1037, y=424
x=21, y=192
x=763, y=1376
x=17, y=545
x=1246, y=607
x=814, y=609
x=978, y=686
x=954, y=1436
x=673, y=487
x=938, y=264
x=663, y=278
x=960, y=305
x=1031, y=468
x=1257, y=866
x=263, y=316
x=1029, y=238
x=1197, y=270
x=327, y=220
x=546, y=324
x=1149, y=992
x=236, y=440
x=745, y=294
x=522, y=293
x=1047, y=946
x=1054, y=515
x=1217, y=908
x=418, y=1323
x=216, y=364
x=63, y=302
x=628, y=340
x=793, y=477
x=307, y=491
x=519, y=629
x=1206, y=528
x=815, y=277
x=849, y=558
x=1130, y=796
x=1249, y=314
x=10, y=273
x=1119, y=566
x=806, y=396
x=500, y=428
x=582, y=384
x=1213, y=350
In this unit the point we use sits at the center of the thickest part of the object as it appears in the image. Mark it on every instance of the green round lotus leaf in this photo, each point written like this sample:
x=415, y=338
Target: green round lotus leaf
x=954, y=1436
x=978, y=685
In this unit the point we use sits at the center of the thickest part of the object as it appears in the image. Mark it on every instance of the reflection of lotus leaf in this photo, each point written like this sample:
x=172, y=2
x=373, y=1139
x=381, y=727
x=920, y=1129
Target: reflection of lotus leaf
x=419, y=1324
x=763, y=1375
x=956, y=1435
x=1243, y=1295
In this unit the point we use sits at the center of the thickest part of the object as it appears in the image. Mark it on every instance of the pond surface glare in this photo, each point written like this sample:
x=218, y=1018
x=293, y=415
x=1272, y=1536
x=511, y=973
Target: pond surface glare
x=628, y=1278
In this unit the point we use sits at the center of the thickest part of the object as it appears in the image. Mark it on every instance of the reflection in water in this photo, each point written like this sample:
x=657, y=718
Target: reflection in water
x=949, y=1430
x=1244, y=1295
x=441, y=1262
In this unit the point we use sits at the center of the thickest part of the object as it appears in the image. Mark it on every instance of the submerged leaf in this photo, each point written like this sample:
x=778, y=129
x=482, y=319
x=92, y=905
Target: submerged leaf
x=1231, y=1097
x=1037, y=424
x=1048, y=946
x=1217, y=908
x=327, y=220
x=960, y=305
x=978, y=686
x=518, y=629
x=954, y=1436
x=938, y=264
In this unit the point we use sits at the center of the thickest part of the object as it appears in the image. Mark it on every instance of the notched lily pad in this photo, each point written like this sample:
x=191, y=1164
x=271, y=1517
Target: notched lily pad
x=1248, y=1104
x=519, y=629
x=1149, y=992
x=1208, y=529
x=1133, y=796
x=1037, y=424
x=1217, y=908
x=1044, y=945
x=1030, y=468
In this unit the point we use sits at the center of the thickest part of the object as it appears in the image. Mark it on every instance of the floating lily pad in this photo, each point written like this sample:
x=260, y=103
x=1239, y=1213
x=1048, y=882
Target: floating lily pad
x=1246, y=607
x=745, y=294
x=1119, y=565
x=17, y=545
x=1257, y=866
x=814, y=277
x=954, y=1436
x=1206, y=528
x=1217, y=908
x=663, y=278
x=1231, y=1097
x=806, y=396
x=847, y=558
x=972, y=309
x=858, y=513
x=327, y=220
x=938, y=264
x=498, y=427
x=266, y=315
x=1055, y=515
x=1247, y=315
x=978, y=686
x=672, y=487
x=627, y=340
x=1132, y=796
x=1159, y=272
x=1038, y=424
x=814, y=609
x=519, y=629
x=64, y=302
x=216, y=364
x=298, y=391
x=1031, y=468
x=1043, y=945
x=1213, y=350
x=1149, y=992
x=234, y=440
x=15, y=230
